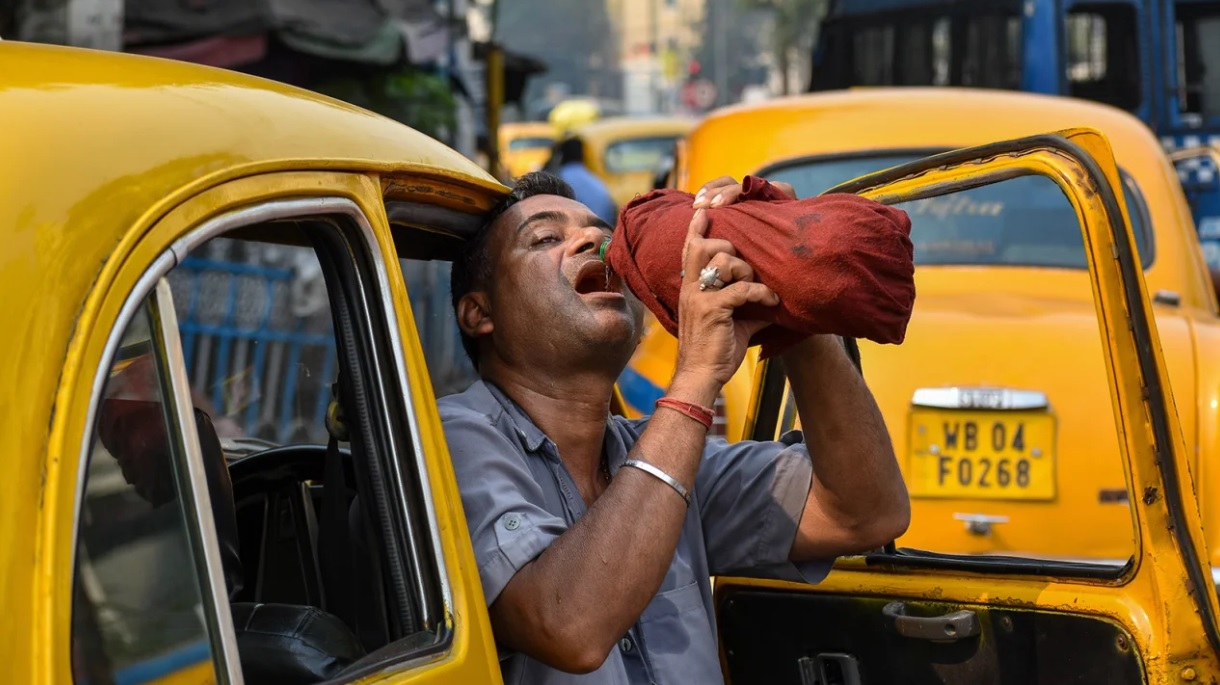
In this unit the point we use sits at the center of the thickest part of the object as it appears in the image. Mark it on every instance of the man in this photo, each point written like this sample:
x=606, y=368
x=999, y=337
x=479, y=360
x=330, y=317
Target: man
x=592, y=559
x=588, y=189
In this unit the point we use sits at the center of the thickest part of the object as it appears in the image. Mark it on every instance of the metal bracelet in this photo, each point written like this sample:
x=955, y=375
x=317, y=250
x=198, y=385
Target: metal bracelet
x=662, y=476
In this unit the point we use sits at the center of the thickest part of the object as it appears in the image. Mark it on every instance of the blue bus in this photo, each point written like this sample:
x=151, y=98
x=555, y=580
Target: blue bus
x=1158, y=59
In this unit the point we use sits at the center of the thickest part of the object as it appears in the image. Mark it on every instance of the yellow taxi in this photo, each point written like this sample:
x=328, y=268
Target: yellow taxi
x=190, y=272
x=626, y=152
x=1008, y=436
x=525, y=146
x=225, y=462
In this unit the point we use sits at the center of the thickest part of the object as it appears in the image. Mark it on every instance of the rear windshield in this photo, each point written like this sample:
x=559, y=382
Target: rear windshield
x=529, y=143
x=1021, y=222
x=638, y=154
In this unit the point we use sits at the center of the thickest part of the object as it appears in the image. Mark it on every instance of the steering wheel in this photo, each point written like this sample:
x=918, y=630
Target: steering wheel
x=277, y=513
x=257, y=473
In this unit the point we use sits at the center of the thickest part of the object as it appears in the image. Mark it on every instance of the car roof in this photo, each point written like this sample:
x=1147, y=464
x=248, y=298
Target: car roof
x=99, y=145
x=747, y=139
x=878, y=119
x=92, y=127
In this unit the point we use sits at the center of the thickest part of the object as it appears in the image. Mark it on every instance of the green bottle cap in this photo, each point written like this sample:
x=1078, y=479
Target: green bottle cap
x=601, y=251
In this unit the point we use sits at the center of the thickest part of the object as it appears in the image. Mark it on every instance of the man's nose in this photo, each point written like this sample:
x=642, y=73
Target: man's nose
x=588, y=239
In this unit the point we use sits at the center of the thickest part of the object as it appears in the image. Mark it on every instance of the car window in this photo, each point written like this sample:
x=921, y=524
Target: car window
x=998, y=401
x=638, y=154
x=290, y=364
x=258, y=339
x=530, y=143
x=138, y=610
x=287, y=341
x=428, y=288
x=1021, y=223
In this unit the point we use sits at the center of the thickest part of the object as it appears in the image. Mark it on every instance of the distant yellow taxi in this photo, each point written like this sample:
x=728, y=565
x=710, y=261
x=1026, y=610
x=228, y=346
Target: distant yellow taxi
x=626, y=152
x=525, y=146
x=996, y=402
x=224, y=459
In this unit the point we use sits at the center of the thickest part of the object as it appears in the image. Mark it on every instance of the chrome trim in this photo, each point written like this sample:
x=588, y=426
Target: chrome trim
x=135, y=299
x=1167, y=297
x=979, y=524
x=198, y=501
x=386, y=294
x=978, y=397
x=280, y=209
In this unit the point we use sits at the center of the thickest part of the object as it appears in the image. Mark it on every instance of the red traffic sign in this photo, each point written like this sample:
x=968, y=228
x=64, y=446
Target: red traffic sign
x=699, y=93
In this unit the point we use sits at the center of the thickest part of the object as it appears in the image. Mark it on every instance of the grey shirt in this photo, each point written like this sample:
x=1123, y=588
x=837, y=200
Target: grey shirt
x=519, y=497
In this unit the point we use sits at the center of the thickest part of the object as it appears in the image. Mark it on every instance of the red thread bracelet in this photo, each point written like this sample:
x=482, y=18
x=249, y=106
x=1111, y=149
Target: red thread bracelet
x=701, y=414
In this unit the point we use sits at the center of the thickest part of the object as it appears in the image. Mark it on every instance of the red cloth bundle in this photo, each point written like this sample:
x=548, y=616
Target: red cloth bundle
x=840, y=264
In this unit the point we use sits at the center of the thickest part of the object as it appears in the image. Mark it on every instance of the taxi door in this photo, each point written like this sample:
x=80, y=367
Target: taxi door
x=918, y=616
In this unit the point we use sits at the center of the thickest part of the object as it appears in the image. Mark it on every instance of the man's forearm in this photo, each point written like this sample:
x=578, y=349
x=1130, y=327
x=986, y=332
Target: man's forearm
x=595, y=580
x=857, y=494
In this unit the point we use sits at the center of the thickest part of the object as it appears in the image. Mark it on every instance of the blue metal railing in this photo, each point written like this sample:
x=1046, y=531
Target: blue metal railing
x=248, y=352
x=260, y=349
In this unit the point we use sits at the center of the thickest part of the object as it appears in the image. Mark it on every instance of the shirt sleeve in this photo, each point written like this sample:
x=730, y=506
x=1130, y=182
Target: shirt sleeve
x=751, y=496
x=508, y=525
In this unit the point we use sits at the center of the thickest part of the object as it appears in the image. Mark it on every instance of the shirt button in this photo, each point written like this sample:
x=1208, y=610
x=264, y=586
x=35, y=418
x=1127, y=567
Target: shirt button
x=512, y=522
x=625, y=644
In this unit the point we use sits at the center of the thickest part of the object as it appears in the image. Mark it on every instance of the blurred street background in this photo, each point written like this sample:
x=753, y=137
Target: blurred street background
x=424, y=62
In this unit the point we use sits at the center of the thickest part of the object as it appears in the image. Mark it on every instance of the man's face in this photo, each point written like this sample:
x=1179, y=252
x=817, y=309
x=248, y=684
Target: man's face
x=551, y=294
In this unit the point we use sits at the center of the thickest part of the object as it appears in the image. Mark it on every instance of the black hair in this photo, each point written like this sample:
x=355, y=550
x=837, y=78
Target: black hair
x=473, y=268
x=571, y=149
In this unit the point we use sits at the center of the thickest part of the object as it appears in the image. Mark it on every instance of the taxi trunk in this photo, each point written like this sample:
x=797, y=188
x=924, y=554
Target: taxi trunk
x=998, y=406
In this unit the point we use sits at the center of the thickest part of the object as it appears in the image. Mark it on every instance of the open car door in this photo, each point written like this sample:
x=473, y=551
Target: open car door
x=912, y=616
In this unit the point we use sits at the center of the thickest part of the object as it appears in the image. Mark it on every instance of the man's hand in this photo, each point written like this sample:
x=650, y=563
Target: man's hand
x=858, y=500
x=711, y=342
x=726, y=190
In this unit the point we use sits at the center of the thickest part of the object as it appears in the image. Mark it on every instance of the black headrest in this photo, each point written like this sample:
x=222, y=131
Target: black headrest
x=291, y=645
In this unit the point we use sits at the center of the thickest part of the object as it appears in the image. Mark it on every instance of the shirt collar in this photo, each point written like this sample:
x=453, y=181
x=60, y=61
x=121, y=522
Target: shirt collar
x=534, y=439
x=530, y=434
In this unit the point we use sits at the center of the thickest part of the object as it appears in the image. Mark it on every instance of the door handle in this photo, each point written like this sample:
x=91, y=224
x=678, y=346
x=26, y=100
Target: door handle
x=946, y=628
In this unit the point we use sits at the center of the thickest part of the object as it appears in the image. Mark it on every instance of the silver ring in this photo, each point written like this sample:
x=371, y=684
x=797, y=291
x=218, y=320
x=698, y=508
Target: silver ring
x=709, y=277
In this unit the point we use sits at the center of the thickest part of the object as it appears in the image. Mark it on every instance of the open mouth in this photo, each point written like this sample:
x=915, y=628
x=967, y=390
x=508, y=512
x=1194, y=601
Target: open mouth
x=594, y=277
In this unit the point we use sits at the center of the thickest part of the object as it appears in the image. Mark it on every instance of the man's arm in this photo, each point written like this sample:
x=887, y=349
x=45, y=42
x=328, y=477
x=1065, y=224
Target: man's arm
x=572, y=604
x=857, y=499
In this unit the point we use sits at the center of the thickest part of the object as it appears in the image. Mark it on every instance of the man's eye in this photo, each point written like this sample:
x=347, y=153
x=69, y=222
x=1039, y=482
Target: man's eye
x=546, y=238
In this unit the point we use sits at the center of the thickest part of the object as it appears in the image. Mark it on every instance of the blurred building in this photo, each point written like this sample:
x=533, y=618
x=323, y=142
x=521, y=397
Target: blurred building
x=658, y=40
x=406, y=59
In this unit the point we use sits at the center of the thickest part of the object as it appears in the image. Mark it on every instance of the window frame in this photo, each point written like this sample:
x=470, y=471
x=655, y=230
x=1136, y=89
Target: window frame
x=152, y=290
x=1120, y=67
x=1174, y=50
x=835, y=63
x=432, y=602
x=1130, y=188
x=605, y=153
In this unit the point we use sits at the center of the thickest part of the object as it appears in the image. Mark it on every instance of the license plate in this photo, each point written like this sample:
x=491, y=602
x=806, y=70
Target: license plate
x=981, y=454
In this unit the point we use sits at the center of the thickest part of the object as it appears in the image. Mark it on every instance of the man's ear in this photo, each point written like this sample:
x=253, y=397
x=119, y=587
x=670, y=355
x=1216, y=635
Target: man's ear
x=474, y=314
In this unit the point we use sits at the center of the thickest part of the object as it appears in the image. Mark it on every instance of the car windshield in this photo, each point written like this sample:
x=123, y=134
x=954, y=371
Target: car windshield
x=530, y=143
x=1023, y=222
x=638, y=154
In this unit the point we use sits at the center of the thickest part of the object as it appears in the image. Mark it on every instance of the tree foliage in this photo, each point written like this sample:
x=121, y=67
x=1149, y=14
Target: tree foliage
x=795, y=26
